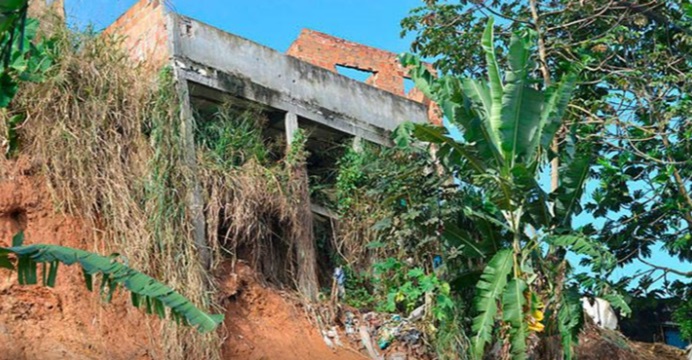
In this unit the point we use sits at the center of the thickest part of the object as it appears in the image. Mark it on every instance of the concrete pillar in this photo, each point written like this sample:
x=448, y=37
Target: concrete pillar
x=195, y=201
x=291, y=127
x=301, y=232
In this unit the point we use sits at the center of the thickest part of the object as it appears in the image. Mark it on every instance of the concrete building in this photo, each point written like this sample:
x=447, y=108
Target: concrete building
x=300, y=89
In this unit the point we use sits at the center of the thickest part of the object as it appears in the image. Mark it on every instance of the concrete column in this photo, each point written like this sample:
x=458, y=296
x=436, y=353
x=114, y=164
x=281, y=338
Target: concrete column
x=358, y=144
x=301, y=232
x=291, y=127
x=195, y=200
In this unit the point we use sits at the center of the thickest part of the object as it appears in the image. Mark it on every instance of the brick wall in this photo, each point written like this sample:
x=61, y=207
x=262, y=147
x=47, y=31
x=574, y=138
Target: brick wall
x=327, y=51
x=145, y=37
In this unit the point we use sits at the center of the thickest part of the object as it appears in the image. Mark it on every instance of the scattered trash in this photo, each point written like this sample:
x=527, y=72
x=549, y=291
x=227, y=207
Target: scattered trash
x=350, y=323
x=367, y=342
x=384, y=336
x=417, y=313
x=327, y=340
x=340, y=278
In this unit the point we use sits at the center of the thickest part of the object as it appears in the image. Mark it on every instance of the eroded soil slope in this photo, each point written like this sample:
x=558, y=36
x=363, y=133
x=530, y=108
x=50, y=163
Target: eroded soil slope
x=68, y=322
x=263, y=323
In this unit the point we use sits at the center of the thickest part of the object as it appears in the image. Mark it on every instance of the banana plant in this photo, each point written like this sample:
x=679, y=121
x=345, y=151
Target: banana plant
x=145, y=291
x=508, y=123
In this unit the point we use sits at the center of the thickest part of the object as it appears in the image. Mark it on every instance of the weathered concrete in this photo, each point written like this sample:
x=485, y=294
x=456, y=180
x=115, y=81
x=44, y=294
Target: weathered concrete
x=246, y=69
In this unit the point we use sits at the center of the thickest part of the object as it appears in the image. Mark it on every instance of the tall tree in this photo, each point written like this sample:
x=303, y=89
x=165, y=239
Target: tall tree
x=631, y=107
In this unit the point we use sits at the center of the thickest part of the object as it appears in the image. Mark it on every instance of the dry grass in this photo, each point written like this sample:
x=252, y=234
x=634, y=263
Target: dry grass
x=255, y=208
x=109, y=143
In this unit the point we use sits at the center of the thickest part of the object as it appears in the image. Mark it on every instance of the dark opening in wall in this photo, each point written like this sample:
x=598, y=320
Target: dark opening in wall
x=355, y=74
x=325, y=147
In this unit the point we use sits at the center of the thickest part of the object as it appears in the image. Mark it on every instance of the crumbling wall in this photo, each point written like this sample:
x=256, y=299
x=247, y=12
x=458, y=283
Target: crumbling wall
x=328, y=52
x=144, y=33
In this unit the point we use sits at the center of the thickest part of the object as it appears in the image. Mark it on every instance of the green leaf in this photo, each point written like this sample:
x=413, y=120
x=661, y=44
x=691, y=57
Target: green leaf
x=618, y=302
x=12, y=5
x=557, y=98
x=18, y=239
x=521, y=104
x=5, y=262
x=513, y=302
x=573, y=178
x=438, y=135
x=457, y=236
x=8, y=89
x=601, y=258
x=489, y=289
x=402, y=135
x=157, y=294
x=569, y=319
x=473, y=115
x=496, y=88
x=421, y=76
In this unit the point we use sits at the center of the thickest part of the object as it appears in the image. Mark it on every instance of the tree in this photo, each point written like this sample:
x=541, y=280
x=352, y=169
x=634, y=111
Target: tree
x=632, y=103
x=508, y=125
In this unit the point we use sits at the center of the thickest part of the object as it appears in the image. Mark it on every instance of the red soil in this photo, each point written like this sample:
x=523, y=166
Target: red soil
x=263, y=323
x=68, y=322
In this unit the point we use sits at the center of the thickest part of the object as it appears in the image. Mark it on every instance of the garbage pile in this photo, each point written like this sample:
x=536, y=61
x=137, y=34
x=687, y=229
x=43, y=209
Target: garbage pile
x=382, y=336
x=386, y=336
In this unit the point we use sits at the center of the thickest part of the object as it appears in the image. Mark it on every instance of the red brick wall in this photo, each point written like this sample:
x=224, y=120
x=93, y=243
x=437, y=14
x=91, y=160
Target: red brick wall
x=144, y=32
x=327, y=51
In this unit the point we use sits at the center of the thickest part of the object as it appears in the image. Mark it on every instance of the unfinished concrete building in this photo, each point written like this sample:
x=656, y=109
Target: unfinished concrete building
x=300, y=89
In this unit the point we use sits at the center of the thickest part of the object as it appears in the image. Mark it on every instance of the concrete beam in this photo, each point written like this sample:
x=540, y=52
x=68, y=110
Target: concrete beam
x=226, y=62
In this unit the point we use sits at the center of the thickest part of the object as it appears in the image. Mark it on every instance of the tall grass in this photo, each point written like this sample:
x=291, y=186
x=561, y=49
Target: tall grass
x=108, y=138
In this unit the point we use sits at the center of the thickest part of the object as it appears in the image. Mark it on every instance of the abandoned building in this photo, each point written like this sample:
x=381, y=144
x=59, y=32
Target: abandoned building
x=298, y=90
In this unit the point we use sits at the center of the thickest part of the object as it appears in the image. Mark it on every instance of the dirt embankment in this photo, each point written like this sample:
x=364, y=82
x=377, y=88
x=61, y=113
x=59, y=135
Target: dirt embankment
x=68, y=322
x=263, y=323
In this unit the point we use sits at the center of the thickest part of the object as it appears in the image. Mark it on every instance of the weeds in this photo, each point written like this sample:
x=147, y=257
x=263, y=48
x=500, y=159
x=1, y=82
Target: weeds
x=110, y=148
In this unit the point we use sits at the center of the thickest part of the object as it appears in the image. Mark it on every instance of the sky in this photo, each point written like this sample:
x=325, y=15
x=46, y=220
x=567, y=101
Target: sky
x=276, y=23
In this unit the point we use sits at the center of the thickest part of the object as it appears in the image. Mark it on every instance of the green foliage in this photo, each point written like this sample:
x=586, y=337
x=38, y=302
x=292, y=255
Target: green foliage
x=359, y=290
x=232, y=136
x=513, y=304
x=407, y=289
x=629, y=115
x=24, y=59
x=490, y=288
x=569, y=320
x=508, y=125
x=350, y=177
x=600, y=259
x=683, y=317
x=144, y=289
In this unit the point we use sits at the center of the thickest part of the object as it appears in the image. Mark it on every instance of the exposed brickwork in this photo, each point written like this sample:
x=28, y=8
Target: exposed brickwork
x=327, y=51
x=144, y=32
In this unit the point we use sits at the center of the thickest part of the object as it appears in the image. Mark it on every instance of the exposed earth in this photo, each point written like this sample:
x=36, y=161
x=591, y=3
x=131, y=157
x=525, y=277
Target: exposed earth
x=68, y=322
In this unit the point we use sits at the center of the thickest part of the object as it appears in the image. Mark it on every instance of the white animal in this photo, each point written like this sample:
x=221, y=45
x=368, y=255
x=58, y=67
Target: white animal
x=601, y=312
x=688, y=350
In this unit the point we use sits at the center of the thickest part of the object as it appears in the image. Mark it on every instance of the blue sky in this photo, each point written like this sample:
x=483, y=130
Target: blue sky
x=276, y=23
